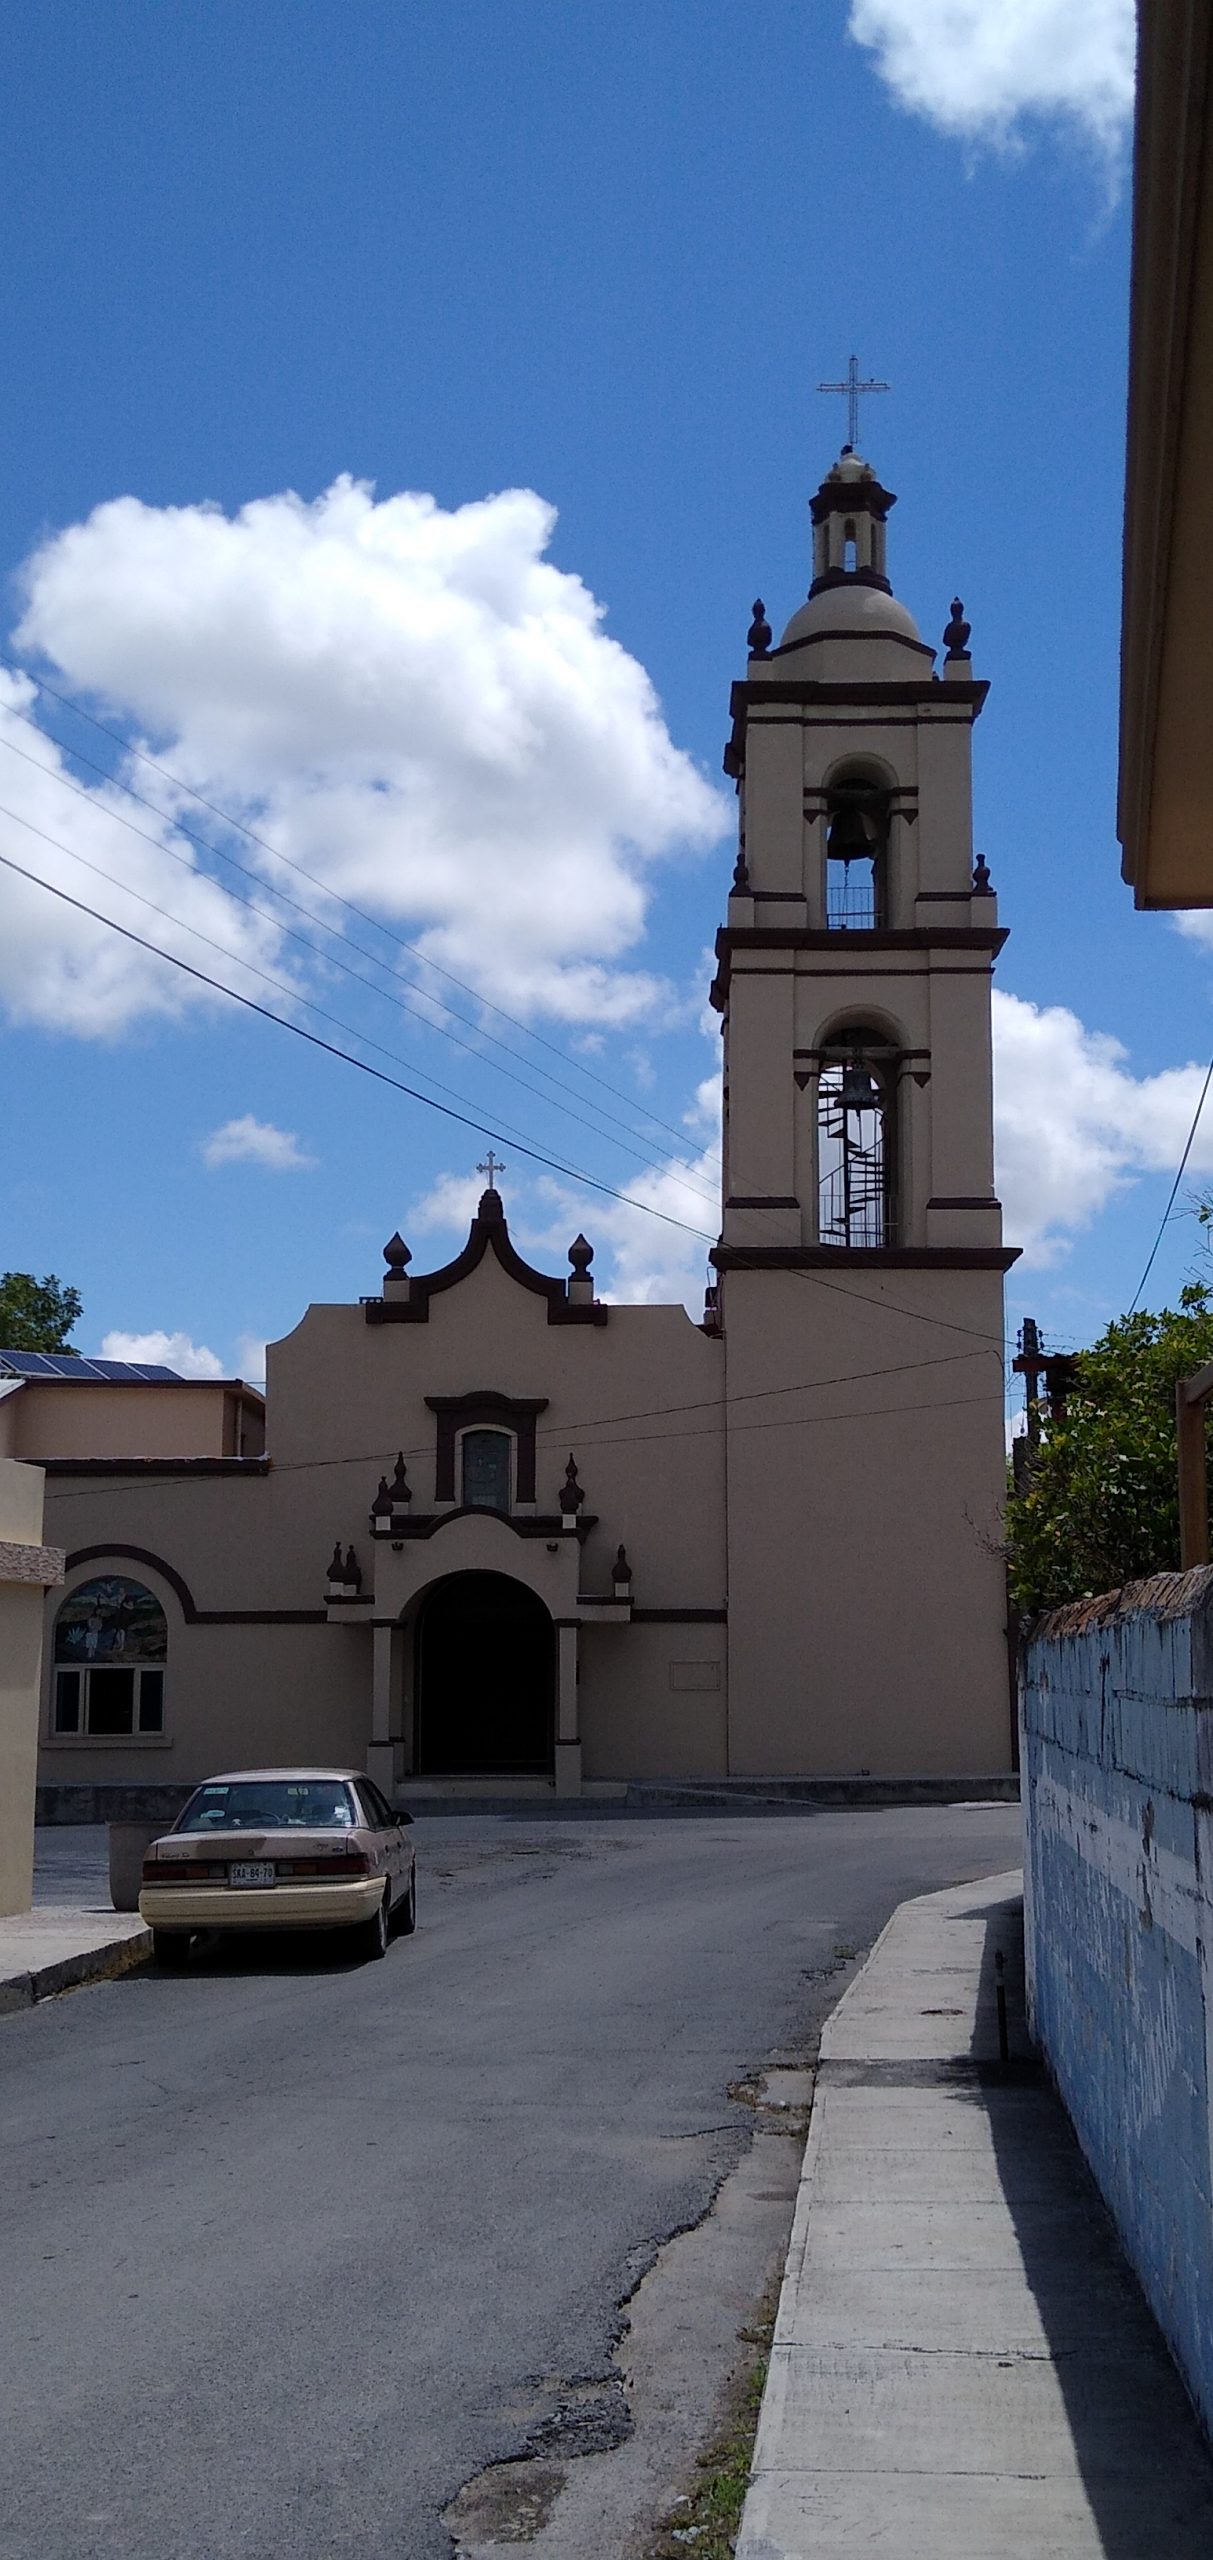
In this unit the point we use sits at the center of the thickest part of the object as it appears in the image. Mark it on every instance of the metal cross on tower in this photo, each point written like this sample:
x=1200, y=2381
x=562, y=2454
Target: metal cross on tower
x=852, y=391
x=490, y=1169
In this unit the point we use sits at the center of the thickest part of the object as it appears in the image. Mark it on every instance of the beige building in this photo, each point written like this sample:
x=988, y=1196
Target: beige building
x=1166, y=735
x=28, y=1569
x=504, y=1529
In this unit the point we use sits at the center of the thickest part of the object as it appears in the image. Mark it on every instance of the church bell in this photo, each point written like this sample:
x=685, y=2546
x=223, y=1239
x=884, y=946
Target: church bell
x=860, y=1091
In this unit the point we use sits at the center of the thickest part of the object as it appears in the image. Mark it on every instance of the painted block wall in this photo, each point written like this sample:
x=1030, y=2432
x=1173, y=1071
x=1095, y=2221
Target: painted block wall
x=1116, y=1707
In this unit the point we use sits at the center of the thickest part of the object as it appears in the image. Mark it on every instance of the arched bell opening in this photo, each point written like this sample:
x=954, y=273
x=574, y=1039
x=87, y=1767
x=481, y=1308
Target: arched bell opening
x=856, y=1138
x=857, y=852
x=485, y=1679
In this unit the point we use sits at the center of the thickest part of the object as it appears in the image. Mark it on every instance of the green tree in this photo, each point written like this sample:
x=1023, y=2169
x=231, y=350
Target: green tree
x=1101, y=1503
x=37, y=1315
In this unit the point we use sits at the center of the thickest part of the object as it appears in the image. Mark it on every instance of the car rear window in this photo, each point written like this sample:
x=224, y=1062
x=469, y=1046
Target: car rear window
x=271, y=1804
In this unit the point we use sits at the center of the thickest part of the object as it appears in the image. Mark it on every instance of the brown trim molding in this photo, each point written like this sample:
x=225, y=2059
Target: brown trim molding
x=535, y=1524
x=679, y=1617
x=882, y=1257
x=913, y=937
x=488, y=1233
x=192, y=1614
x=141, y=1467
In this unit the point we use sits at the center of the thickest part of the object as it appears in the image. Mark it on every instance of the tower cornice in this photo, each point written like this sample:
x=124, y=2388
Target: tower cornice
x=938, y=697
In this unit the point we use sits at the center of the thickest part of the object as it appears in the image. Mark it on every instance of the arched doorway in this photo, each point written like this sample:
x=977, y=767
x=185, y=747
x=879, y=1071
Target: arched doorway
x=486, y=1679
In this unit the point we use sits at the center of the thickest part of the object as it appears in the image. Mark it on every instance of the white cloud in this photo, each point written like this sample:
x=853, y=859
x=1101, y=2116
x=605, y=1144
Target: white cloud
x=164, y=1350
x=1073, y=1125
x=413, y=703
x=980, y=68
x=59, y=969
x=250, y=1357
x=250, y=1141
x=450, y=1202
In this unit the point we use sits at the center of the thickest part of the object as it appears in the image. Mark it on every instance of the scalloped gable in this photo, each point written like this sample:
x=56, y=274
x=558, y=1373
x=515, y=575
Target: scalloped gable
x=488, y=1233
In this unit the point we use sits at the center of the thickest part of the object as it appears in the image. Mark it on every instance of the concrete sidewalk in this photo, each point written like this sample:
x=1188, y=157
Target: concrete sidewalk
x=963, y=2363
x=73, y=1934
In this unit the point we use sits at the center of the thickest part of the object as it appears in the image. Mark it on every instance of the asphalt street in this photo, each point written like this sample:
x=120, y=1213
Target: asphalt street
x=290, y=2249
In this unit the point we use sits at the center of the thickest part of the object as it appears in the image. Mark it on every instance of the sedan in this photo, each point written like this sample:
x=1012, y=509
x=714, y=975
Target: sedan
x=281, y=1849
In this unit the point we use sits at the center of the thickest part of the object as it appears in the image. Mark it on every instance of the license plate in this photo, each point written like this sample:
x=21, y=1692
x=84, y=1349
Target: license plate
x=251, y=1873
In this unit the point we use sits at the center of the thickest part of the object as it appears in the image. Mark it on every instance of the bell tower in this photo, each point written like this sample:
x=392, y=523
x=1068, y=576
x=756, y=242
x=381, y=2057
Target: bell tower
x=860, y=1259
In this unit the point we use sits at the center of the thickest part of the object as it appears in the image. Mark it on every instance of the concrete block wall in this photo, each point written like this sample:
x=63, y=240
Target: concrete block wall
x=1116, y=1708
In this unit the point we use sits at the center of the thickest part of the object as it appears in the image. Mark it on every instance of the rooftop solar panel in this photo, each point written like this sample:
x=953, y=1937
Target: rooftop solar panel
x=65, y=1364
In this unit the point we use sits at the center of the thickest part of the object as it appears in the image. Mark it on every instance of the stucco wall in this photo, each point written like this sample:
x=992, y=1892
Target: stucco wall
x=26, y=1569
x=1117, y=1744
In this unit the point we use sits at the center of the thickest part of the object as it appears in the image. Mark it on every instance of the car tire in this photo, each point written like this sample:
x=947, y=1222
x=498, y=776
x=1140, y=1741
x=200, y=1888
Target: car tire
x=374, y=1933
x=405, y=1917
x=171, y=1948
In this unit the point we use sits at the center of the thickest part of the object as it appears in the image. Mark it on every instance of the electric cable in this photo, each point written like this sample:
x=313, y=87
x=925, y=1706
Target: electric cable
x=554, y=1164
x=427, y=1013
x=638, y=1143
x=241, y=828
x=1174, y=1187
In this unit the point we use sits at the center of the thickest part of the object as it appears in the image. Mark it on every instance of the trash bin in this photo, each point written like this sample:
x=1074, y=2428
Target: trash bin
x=128, y=1840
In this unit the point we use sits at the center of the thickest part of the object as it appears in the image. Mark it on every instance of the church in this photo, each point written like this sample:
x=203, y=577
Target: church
x=494, y=1530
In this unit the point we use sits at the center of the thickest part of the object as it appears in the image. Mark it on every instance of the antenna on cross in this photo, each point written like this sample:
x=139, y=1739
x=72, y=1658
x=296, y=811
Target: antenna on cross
x=853, y=391
x=490, y=1169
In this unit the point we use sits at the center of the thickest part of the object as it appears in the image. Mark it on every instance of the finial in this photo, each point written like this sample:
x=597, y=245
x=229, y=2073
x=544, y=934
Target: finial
x=399, y=1491
x=983, y=886
x=581, y=1256
x=381, y=1507
x=352, y=1576
x=741, y=875
x=336, y=1571
x=621, y=1570
x=397, y=1256
x=956, y=637
x=572, y=1492
x=758, y=637
x=490, y=1169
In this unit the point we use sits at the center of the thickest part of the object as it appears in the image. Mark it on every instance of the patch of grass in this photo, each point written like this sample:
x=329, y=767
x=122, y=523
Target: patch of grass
x=706, y=2522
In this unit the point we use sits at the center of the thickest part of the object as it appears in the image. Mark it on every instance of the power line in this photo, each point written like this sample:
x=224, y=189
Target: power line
x=571, y=1173
x=429, y=1013
x=779, y=1422
x=643, y=1414
x=639, y=1144
x=1174, y=1187
x=241, y=828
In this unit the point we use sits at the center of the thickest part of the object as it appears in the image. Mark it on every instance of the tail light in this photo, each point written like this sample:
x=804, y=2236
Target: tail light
x=182, y=1871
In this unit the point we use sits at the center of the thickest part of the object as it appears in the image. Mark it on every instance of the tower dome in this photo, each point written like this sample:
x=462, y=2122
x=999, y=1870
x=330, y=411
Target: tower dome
x=850, y=597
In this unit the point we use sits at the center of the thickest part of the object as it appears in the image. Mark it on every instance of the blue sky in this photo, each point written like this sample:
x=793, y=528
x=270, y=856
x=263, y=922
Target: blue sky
x=602, y=256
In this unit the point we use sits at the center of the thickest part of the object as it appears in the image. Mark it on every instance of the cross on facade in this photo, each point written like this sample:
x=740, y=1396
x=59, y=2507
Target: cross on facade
x=490, y=1169
x=852, y=391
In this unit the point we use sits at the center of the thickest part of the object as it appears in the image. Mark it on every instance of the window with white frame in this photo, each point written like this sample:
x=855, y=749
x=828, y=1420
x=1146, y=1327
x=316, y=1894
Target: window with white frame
x=108, y=1660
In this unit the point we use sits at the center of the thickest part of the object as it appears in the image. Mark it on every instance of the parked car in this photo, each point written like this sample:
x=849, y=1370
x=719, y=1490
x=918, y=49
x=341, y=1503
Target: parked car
x=281, y=1849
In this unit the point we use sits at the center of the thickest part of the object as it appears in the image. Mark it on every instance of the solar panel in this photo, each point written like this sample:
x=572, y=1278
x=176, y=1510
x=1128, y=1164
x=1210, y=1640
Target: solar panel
x=65, y=1364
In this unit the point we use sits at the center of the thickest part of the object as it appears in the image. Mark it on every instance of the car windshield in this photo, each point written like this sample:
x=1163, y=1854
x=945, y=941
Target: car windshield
x=271, y=1804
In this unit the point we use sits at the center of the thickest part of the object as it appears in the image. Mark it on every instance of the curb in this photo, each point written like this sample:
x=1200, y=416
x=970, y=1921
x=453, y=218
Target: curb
x=95, y=1964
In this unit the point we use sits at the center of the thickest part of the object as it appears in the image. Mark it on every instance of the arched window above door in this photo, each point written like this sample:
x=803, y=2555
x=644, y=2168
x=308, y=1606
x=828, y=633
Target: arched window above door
x=108, y=1662
x=486, y=1459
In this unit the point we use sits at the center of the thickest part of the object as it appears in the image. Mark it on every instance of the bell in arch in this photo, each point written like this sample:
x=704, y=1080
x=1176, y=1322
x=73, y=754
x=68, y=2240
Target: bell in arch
x=852, y=833
x=860, y=1091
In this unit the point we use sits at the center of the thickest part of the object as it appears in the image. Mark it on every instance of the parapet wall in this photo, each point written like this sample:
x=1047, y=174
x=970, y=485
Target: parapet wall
x=1116, y=1708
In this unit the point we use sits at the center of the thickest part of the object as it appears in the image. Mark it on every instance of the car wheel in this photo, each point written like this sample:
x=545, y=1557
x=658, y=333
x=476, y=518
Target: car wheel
x=171, y=1948
x=374, y=1933
x=406, y=1916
